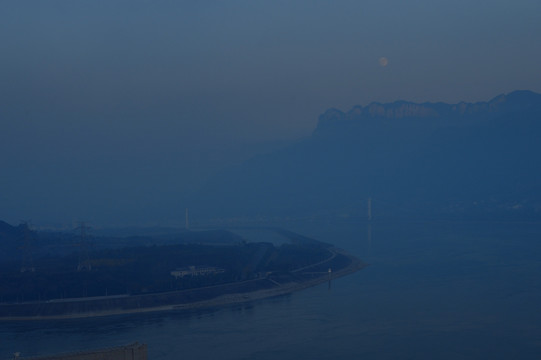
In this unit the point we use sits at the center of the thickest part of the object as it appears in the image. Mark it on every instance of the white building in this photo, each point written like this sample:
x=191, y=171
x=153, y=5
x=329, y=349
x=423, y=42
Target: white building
x=196, y=271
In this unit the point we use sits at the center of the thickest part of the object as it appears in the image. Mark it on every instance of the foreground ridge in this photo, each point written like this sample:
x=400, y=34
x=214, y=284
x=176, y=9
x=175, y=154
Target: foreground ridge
x=338, y=264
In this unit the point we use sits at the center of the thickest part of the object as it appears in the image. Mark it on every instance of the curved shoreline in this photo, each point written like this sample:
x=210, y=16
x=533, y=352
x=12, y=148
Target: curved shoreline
x=277, y=289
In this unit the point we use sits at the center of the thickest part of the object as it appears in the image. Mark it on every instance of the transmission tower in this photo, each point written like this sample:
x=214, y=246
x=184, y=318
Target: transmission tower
x=27, y=263
x=84, y=248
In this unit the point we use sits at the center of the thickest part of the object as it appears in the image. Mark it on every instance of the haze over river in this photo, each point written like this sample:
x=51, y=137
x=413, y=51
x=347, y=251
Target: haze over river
x=442, y=290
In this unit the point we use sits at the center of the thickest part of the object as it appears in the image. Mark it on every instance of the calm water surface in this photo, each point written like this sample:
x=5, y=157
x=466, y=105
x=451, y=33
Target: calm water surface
x=432, y=290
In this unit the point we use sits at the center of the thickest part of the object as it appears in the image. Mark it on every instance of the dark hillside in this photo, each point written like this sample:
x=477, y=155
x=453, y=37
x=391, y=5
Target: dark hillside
x=10, y=240
x=150, y=269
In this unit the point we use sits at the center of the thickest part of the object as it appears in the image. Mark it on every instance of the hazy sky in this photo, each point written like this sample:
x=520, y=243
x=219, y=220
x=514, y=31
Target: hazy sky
x=113, y=111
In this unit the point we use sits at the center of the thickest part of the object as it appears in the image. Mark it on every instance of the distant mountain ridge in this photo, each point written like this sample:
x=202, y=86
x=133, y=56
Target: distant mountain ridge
x=520, y=100
x=472, y=160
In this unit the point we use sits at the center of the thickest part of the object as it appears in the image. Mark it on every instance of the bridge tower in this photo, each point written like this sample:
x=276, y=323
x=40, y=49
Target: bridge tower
x=369, y=225
x=369, y=208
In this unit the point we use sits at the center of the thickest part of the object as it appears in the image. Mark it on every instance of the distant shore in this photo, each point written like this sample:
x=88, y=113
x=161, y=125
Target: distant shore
x=213, y=296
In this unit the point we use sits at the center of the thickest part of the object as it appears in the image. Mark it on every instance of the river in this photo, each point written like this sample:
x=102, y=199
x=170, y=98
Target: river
x=433, y=290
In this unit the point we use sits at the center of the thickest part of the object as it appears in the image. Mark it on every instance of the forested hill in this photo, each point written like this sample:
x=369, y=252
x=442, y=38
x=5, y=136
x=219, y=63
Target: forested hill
x=15, y=241
x=10, y=239
x=7, y=231
x=467, y=160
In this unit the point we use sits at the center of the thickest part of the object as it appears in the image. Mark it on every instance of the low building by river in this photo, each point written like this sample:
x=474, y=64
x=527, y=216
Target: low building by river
x=133, y=351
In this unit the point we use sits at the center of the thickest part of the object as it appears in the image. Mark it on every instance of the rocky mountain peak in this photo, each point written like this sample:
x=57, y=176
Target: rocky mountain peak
x=516, y=101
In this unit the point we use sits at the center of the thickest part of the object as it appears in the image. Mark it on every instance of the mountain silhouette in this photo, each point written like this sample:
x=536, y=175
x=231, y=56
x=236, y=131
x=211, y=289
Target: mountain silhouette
x=465, y=160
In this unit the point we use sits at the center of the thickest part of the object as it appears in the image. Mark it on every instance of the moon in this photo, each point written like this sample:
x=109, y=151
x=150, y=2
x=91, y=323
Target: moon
x=383, y=61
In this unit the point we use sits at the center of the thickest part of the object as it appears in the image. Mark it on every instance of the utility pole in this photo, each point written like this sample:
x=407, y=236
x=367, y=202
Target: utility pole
x=330, y=277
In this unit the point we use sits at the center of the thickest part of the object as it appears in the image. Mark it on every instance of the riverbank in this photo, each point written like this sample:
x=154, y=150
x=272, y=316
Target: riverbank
x=274, y=284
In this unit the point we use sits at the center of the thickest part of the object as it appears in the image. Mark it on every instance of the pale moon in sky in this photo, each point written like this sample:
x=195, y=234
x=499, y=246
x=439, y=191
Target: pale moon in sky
x=383, y=61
